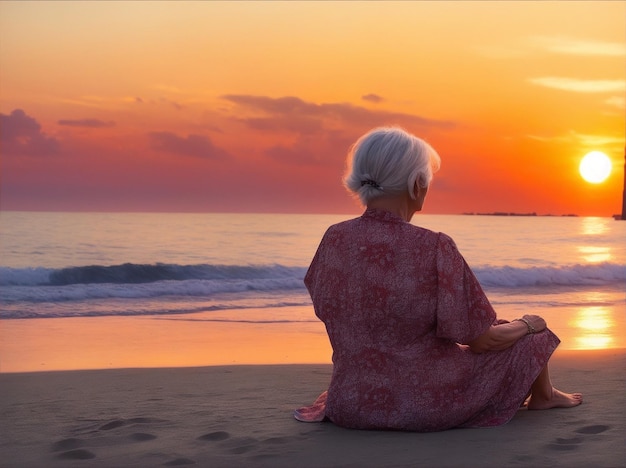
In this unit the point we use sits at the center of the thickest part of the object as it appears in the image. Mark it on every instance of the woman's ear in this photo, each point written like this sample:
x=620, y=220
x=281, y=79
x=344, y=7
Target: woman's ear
x=420, y=195
x=417, y=190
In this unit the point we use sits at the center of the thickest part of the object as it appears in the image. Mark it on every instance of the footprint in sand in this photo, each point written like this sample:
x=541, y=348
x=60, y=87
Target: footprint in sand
x=572, y=443
x=78, y=454
x=67, y=444
x=215, y=436
x=565, y=444
x=123, y=422
x=180, y=462
x=596, y=429
x=112, y=425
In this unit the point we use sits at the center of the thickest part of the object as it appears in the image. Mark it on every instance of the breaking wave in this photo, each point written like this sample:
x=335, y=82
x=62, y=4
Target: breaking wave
x=138, y=289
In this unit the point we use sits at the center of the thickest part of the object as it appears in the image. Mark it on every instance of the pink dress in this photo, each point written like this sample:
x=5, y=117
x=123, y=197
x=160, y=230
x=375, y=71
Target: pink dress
x=399, y=303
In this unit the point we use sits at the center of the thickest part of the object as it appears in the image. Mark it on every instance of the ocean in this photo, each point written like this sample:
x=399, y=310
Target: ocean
x=244, y=268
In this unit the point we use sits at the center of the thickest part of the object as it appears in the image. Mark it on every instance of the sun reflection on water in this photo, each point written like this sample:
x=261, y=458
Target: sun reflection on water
x=595, y=328
x=589, y=228
x=594, y=226
x=594, y=254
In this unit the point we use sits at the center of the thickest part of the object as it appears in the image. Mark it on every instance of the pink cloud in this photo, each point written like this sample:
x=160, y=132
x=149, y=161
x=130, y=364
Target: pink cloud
x=277, y=110
x=89, y=123
x=291, y=123
x=375, y=98
x=21, y=134
x=193, y=145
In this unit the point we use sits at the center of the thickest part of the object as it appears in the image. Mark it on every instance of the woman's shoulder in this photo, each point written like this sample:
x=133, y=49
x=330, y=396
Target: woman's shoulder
x=439, y=241
x=371, y=218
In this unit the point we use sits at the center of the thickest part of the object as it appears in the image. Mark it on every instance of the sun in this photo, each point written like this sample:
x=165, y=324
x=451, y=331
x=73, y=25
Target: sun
x=595, y=167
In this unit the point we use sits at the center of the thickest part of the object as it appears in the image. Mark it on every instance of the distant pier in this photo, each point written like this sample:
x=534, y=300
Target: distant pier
x=622, y=217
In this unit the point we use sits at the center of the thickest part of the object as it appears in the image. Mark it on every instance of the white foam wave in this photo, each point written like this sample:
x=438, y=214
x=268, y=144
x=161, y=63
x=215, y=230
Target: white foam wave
x=188, y=288
x=573, y=275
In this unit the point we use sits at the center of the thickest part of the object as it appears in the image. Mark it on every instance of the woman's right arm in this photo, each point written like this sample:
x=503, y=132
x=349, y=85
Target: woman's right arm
x=503, y=336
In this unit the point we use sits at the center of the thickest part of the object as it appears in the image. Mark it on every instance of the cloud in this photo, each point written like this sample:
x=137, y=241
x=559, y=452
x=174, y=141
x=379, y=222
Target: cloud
x=571, y=46
x=289, y=113
x=197, y=146
x=554, y=45
x=304, y=125
x=375, y=98
x=595, y=141
x=21, y=134
x=155, y=101
x=582, y=139
x=294, y=123
x=89, y=123
x=323, y=132
x=617, y=101
x=547, y=138
x=287, y=105
x=580, y=86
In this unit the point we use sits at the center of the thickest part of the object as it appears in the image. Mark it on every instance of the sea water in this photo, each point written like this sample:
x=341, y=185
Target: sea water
x=572, y=269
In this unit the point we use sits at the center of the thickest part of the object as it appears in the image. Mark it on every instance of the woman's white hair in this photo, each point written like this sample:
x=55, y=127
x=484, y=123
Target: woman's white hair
x=389, y=160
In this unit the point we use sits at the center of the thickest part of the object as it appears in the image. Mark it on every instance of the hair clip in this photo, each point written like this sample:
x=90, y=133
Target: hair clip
x=371, y=183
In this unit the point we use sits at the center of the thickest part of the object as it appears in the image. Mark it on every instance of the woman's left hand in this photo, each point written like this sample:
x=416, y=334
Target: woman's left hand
x=536, y=322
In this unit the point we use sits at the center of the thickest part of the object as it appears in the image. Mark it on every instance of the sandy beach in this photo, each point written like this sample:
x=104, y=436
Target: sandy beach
x=227, y=416
x=145, y=410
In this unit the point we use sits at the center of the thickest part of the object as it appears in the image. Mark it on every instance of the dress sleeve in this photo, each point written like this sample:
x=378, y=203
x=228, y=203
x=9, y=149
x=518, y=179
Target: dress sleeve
x=320, y=275
x=463, y=311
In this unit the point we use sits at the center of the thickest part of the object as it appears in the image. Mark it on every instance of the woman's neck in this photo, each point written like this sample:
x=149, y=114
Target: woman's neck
x=399, y=205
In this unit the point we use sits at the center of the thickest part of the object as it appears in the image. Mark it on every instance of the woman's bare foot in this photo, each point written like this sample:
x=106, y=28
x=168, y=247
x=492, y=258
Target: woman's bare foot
x=558, y=399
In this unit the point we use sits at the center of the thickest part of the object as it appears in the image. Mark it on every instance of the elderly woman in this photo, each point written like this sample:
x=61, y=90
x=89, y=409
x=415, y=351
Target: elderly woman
x=416, y=343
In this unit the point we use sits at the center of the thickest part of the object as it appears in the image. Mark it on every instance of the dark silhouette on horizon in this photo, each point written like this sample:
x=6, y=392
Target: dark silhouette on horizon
x=623, y=215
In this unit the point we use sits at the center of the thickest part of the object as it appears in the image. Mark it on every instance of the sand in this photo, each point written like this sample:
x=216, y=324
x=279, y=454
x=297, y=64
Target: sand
x=159, y=394
x=231, y=416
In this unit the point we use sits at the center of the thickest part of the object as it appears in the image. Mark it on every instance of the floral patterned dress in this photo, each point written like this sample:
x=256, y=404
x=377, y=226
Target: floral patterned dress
x=399, y=304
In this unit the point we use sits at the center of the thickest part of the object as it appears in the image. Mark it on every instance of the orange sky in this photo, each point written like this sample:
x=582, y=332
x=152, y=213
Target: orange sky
x=246, y=107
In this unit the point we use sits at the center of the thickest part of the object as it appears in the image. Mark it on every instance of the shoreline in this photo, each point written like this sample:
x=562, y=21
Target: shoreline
x=202, y=339
x=168, y=341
